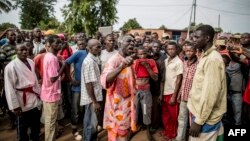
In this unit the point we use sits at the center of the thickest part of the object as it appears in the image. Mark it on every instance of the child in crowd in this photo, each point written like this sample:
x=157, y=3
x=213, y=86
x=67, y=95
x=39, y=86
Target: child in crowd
x=189, y=68
x=144, y=70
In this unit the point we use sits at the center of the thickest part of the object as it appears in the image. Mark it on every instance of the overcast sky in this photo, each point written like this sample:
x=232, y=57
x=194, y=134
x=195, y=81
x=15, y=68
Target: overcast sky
x=234, y=14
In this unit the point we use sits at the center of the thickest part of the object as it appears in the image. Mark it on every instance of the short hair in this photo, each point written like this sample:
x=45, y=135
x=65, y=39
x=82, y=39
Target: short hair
x=109, y=35
x=191, y=44
x=155, y=33
x=173, y=43
x=224, y=56
x=51, y=39
x=20, y=44
x=156, y=42
x=248, y=34
x=207, y=30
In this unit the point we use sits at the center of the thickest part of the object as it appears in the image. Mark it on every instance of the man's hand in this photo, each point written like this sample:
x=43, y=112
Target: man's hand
x=179, y=99
x=75, y=82
x=146, y=65
x=172, y=100
x=195, y=130
x=18, y=111
x=40, y=81
x=97, y=106
x=129, y=60
x=160, y=99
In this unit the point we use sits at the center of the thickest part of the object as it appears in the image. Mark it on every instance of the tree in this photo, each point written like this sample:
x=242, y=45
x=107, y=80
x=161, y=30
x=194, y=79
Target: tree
x=5, y=26
x=5, y=6
x=88, y=15
x=131, y=24
x=163, y=27
x=51, y=23
x=34, y=12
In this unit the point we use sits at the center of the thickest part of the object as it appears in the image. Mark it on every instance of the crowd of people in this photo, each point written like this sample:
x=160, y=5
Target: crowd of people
x=189, y=89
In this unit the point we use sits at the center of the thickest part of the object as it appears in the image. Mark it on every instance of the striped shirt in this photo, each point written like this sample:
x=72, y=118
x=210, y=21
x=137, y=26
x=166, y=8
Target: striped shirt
x=90, y=74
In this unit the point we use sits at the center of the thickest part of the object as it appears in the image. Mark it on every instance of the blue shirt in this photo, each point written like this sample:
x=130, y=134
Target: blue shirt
x=77, y=59
x=3, y=41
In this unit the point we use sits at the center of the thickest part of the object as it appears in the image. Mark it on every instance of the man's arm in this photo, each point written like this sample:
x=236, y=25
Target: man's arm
x=176, y=90
x=10, y=92
x=90, y=77
x=246, y=52
x=152, y=74
x=112, y=75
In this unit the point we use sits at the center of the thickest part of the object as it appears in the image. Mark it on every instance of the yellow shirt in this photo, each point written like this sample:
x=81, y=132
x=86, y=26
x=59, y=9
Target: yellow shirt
x=207, y=100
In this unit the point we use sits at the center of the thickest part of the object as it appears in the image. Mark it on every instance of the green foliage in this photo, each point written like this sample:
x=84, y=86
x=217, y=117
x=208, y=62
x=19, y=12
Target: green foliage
x=35, y=12
x=51, y=23
x=5, y=6
x=87, y=15
x=5, y=26
x=130, y=24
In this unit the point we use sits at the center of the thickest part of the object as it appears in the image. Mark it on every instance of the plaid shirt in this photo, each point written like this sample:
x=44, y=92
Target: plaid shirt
x=90, y=73
x=188, y=75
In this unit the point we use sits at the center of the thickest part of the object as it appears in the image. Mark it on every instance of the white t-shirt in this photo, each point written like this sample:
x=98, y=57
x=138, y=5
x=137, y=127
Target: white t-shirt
x=105, y=55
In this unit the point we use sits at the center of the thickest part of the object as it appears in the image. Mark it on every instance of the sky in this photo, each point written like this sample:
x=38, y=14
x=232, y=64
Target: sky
x=174, y=14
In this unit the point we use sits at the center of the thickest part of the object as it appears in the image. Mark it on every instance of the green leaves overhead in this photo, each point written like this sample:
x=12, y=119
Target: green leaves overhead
x=88, y=15
x=5, y=6
x=34, y=12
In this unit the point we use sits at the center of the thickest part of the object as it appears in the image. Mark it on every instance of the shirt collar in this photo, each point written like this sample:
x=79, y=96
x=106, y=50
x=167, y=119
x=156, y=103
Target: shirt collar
x=209, y=51
x=173, y=60
x=93, y=57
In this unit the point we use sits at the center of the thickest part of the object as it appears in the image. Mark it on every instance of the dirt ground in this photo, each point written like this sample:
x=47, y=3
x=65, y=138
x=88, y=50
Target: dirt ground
x=8, y=134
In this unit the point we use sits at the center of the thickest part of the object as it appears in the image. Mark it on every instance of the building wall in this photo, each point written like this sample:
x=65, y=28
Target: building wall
x=158, y=31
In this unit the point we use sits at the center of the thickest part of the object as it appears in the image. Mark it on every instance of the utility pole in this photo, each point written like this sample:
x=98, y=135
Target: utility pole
x=189, y=26
x=194, y=5
x=219, y=21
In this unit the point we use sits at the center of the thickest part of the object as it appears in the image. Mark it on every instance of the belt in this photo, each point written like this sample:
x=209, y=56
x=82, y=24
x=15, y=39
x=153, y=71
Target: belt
x=25, y=90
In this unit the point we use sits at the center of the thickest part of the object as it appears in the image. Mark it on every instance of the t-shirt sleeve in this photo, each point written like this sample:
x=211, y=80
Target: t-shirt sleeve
x=154, y=66
x=72, y=58
x=179, y=68
x=89, y=73
x=52, y=68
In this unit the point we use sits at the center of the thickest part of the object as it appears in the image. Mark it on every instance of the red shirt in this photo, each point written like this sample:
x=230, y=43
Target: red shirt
x=65, y=54
x=141, y=71
x=38, y=60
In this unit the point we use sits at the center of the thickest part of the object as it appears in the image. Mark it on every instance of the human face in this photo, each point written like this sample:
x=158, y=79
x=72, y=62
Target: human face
x=109, y=43
x=81, y=45
x=57, y=45
x=128, y=47
x=37, y=33
x=141, y=53
x=190, y=52
x=171, y=50
x=245, y=39
x=22, y=52
x=154, y=36
x=29, y=47
x=11, y=36
x=96, y=49
x=200, y=40
x=155, y=48
x=149, y=46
